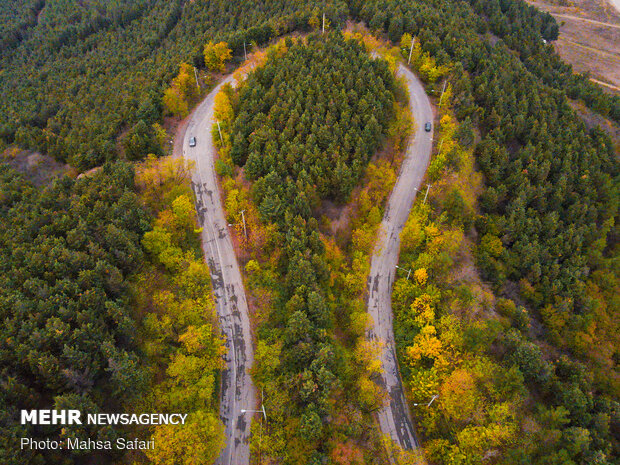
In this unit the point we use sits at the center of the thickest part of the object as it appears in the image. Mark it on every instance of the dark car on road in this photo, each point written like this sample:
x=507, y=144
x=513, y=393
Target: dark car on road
x=192, y=142
x=427, y=127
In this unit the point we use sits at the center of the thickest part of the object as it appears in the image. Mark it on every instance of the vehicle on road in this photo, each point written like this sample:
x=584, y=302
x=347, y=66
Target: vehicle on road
x=394, y=416
x=237, y=393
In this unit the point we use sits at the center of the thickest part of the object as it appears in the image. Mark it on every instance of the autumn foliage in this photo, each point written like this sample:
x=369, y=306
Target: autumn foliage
x=179, y=333
x=182, y=93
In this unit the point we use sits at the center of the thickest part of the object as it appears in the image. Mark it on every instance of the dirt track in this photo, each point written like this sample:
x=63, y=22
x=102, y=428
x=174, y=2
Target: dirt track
x=589, y=38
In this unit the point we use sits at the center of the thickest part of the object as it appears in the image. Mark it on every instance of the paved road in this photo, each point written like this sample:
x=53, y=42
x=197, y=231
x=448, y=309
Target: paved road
x=394, y=417
x=237, y=391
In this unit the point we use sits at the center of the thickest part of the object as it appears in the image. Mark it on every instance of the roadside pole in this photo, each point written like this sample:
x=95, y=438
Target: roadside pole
x=196, y=76
x=220, y=131
x=245, y=232
x=442, y=91
x=428, y=186
x=411, y=50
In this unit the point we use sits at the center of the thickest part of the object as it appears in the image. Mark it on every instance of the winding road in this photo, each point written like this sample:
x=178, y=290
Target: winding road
x=237, y=390
x=394, y=417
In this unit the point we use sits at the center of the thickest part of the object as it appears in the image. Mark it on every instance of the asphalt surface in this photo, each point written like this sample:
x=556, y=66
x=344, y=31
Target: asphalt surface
x=394, y=417
x=237, y=390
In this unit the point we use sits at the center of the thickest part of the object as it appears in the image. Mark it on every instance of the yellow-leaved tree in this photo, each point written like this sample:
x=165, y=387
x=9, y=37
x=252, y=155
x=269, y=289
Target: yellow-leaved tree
x=179, y=333
x=216, y=56
x=200, y=440
x=182, y=92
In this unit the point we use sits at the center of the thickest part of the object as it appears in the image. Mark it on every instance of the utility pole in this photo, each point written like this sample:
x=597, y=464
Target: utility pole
x=411, y=50
x=440, y=144
x=408, y=271
x=262, y=406
x=220, y=131
x=443, y=90
x=196, y=76
x=245, y=52
x=428, y=186
x=260, y=436
x=245, y=230
x=262, y=403
x=429, y=404
x=262, y=410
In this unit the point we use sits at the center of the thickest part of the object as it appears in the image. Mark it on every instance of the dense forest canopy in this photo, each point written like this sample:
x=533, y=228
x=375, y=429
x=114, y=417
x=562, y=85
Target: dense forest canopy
x=66, y=252
x=73, y=82
x=305, y=127
x=78, y=77
x=74, y=75
x=106, y=307
x=314, y=114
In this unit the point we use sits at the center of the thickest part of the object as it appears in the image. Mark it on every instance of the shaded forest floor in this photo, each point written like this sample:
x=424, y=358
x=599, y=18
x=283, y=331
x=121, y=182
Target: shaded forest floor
x=40, y=169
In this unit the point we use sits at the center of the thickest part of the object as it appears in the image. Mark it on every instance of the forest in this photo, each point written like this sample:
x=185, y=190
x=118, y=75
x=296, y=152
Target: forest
x=510, y=314
x=286, y=124
x=461, y=340
x=72, y=83
x=323, y=95
x=312, y=360
x=67, y=334
x=107, y=306
x=179, y=340
x=545, y=222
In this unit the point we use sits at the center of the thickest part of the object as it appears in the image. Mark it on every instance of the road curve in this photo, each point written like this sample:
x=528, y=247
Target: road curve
x=394, y=417
x=237, y=390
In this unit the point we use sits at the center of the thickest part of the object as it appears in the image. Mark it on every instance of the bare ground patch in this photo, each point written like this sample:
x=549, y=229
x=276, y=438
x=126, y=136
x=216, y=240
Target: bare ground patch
x=592, y=119
x=39, y=169
x=589, y=38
